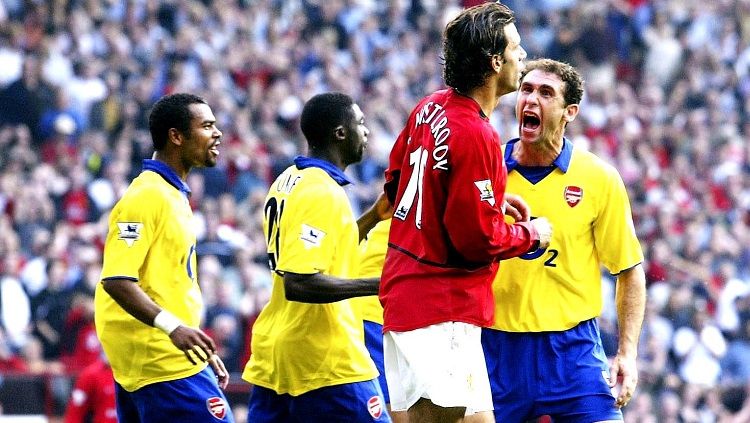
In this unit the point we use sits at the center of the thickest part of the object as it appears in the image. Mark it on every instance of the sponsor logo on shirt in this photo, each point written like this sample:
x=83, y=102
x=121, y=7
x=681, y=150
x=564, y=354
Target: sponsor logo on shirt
x=217, y=407
x=312, y=237
x=485, y=191
x=375, y=407
x=573, y=195
x=129, y=232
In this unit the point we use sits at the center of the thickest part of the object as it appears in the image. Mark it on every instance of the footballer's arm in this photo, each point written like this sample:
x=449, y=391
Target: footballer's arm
x=630, y=299
x=134, y=300
x=381, y=209
x=319, y=288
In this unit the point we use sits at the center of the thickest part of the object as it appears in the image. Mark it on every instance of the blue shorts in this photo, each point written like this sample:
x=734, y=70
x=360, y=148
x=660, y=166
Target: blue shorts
x=194, y=399
x=374, y=344
x=561, y=374
x=360, y=402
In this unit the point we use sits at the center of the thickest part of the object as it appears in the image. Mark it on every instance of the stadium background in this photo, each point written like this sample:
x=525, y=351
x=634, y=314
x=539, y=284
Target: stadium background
x=667, y=102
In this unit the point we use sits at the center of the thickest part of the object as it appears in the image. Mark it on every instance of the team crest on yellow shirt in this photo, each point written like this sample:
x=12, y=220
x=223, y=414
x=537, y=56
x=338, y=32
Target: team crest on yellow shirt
x=573, y=195
x=485, y=191
x=130, y=232
x=312, y=237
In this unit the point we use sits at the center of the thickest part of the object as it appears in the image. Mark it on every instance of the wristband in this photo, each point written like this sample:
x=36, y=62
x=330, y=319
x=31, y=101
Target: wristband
x=167, y=322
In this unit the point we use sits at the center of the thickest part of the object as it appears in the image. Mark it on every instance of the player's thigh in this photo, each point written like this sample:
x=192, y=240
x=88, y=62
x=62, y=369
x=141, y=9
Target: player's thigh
x=510, y=359
x=443, y=363
x=358, y=402
x=580, y=392
x=483, y=417
x=127, y=410
x=425, y=411
x=194, y=399
x=266, y=406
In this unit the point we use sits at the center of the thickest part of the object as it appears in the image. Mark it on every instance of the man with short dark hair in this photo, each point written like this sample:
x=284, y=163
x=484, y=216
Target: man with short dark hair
x=148, y=305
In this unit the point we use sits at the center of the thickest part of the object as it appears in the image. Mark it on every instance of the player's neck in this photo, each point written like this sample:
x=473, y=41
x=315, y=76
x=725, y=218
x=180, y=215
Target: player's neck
x=328, y=155
x=486, y=96
x=173, y=162
x=540, y=153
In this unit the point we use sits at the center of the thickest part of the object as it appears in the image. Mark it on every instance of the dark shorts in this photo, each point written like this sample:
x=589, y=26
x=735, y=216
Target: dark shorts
x=561, y=374
x=374, y=344
x=194, y=399
x=360, y=402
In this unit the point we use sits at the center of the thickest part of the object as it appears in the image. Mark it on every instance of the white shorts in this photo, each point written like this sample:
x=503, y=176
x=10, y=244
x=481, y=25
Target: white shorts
x=443, y=363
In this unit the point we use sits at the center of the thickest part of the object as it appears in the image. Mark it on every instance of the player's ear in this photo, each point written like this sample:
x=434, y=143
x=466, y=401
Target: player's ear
x=174, y=136
x=496, y=62
x=571, y=111
x=339, y=132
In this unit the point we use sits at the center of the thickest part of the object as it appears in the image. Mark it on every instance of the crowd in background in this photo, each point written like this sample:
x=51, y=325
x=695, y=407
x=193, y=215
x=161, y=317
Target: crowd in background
x=667, y=102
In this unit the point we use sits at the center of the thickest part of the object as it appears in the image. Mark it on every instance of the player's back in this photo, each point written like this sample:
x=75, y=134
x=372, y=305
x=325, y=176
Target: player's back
x=297, y=346
x=442, y=172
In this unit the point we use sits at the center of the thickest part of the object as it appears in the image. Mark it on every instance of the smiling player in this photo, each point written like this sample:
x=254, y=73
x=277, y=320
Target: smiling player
x=148, y=304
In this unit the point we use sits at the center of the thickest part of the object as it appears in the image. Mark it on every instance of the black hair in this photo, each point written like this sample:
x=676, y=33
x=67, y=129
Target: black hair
x=171, y=111
x=470, y=39
x=322, y=114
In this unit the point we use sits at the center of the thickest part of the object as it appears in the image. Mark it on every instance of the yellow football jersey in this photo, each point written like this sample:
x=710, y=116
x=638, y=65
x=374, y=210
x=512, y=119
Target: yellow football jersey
x=151, y=241
x=298, y=347
x=585, y=200
x=372, y=257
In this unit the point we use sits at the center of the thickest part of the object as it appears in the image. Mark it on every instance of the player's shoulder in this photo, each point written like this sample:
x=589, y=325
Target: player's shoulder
x=147, y=191
x=592, y=164
x=590, y=159
x=310, y=183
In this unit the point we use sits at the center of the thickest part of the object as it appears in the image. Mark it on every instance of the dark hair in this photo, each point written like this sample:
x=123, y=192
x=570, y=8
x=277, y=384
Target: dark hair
x=573, y=90
x=322, y=114
x=171, y=111
x=470, y=39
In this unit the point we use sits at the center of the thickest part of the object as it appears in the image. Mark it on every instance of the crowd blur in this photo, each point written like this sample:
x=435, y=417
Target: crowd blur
x=667, y=102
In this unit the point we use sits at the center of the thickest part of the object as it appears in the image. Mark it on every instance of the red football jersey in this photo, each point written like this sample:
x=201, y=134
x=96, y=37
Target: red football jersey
x=93, y=396
x=446, y=178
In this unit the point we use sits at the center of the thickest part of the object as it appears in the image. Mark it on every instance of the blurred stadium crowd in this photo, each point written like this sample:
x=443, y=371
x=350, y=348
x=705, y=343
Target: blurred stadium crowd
x=667, y=102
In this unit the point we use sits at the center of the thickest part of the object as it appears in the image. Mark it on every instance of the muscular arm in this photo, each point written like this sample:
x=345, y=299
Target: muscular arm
x=630, y=298
x=318, y=288
x=132, y=299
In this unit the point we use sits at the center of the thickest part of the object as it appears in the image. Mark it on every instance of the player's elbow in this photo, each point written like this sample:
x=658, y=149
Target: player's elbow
x=297, y=287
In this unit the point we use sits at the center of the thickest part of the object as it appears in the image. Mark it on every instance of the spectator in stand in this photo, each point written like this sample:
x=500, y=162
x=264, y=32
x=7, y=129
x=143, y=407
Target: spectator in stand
x=50, y=309
x=80, y=346
x=31, y=91
x=699, y=347
x=735, y=366
x=10, y=362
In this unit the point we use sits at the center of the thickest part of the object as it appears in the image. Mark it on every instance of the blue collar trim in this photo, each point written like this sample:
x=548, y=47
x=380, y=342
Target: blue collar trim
x=334, y=172
x=562, y=161
x=167, y=173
